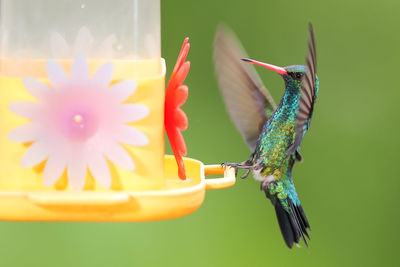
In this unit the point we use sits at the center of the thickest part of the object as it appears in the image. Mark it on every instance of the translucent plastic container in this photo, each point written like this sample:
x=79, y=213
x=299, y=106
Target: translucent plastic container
x=37, y=38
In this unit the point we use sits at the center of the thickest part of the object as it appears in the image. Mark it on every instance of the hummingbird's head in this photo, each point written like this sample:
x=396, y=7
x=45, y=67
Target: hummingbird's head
x=294, y=74
x=291, y=74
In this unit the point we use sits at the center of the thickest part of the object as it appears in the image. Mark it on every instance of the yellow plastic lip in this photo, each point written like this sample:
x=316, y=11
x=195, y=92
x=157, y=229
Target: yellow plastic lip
x=69, y=199
x=218, y=183
x=179, y=199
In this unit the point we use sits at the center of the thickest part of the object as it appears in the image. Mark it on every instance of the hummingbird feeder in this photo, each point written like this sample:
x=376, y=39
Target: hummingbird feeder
x=83, y=112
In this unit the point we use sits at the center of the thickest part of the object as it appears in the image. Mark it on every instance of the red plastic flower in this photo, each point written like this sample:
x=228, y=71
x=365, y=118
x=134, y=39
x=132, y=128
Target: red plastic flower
x=175, y=119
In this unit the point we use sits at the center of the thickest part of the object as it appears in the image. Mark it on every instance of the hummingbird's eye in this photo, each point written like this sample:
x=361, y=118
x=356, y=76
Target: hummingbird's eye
x=297, y=75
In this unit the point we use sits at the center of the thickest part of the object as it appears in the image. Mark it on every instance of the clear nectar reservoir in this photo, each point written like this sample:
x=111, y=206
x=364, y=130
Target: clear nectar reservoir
x=82, y=95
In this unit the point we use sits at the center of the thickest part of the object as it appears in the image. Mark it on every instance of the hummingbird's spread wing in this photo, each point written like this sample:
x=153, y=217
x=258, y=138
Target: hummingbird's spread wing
x=307, y=96
x=248, y=102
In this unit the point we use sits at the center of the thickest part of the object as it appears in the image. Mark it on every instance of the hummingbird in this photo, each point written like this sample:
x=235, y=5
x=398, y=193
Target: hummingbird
x=273, y=133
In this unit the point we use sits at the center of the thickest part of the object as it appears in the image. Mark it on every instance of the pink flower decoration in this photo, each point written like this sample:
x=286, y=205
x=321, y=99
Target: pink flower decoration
x=78, y=123
x=175, y=119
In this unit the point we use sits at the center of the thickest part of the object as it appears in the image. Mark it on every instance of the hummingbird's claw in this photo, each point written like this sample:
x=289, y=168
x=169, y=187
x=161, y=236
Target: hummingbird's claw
x=233, y=165
x=238, y=166
x=246, y=174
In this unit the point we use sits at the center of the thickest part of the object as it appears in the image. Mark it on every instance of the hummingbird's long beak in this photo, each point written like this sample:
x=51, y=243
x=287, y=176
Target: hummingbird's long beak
x=277, y=69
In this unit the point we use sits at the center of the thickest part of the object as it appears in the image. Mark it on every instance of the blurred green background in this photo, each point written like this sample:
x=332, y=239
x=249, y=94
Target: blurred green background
x=348, y=183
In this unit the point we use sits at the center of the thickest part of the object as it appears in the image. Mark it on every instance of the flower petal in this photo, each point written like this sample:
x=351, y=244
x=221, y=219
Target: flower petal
x=79, y=69
x=180, y=143
x=29, y=110
x=178, y=148
x=53, y=170
x=99, y=169
x=36, y=88
x=180, y=119
x=56, y=74
x=59, y=47
x=102, y=77
x=133, y=112
x=84, y=41
x=77, y=173
x=182, y=54
x=105, y=49
x=25, y=133
x=181, y=167
x=131, y=136
x=118, y=155
x=122, y=90
x=181, y=95
x=35, y=154
x=182, y=73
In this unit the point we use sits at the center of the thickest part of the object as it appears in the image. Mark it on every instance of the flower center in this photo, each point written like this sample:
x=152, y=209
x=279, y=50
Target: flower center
x=78, y=123
x=78, y=119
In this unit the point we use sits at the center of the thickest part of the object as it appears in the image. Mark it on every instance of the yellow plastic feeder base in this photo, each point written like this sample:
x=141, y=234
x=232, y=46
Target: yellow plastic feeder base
x=179, y=199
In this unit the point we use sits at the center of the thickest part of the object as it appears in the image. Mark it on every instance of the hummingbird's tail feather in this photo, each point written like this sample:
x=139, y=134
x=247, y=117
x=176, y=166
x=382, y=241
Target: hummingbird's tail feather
x=303, y=219
x=291, y=218
x=286, y=224
x=293, y=225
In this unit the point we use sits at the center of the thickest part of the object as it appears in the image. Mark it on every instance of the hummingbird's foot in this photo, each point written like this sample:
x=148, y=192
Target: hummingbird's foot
x=245, y=165
x=236, y=165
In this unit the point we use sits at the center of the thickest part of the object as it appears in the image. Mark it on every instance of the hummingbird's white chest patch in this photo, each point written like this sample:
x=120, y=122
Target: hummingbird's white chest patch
x=258, y=176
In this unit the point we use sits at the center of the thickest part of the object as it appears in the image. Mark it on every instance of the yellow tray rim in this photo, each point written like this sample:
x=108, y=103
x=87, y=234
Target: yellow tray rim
x=115, y=206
